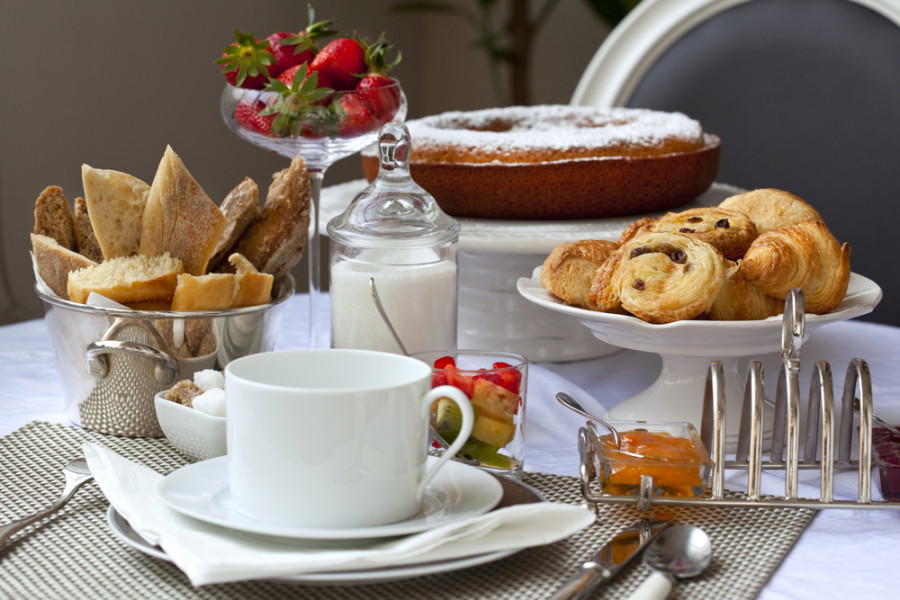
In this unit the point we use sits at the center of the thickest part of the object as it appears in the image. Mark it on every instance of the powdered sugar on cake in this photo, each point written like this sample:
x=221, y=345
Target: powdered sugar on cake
x=551, y=133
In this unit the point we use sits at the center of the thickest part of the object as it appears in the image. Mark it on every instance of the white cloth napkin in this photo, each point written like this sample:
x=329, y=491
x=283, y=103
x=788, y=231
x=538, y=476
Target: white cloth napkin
x=211, y=554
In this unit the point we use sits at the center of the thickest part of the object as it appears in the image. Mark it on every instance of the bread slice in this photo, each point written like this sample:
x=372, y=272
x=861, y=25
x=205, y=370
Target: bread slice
x=54, y=263
x=53, y=217
x=241, y=208
x=275, y=242
x=179, y=217
x=128, y=279
x=115, y=203
x=204, y=292
x=252, y=287
x=85, y=240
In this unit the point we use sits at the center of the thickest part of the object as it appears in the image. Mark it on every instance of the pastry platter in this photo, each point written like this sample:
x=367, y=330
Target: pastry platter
x=688, y=347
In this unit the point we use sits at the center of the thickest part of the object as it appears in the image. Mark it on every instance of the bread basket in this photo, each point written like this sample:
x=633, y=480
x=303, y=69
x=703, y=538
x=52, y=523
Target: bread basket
x=112, y=361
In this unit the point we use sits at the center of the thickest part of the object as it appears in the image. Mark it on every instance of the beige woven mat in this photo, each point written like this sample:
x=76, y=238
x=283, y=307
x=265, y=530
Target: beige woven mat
x=75, y=555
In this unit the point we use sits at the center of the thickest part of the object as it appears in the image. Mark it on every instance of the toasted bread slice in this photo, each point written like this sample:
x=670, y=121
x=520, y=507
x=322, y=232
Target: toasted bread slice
x=252, y=287
x=115, y=203
x=275, y=242
x=128, y=279
x=54, y=263
x=241, y=208
x=179, y=217
x=214, y=291
x=53, y=217
x=85, y=240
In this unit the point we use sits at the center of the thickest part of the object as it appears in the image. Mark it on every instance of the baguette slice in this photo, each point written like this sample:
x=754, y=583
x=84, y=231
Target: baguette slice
x=53, y=217
x=275, y=242
x=54, y=263
x=115, y=203
x=241, y=208
x=85, y=240
x=252, y=287
x=214, y=291
x=128, y=279
x=179, y=217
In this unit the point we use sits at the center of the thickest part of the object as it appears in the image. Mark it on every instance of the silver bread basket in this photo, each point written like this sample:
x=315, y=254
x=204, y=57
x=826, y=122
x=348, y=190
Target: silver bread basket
x=112, y=362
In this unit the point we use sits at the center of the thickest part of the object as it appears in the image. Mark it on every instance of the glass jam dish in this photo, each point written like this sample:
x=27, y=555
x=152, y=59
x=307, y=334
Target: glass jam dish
x=672, y=453
x=886, y=445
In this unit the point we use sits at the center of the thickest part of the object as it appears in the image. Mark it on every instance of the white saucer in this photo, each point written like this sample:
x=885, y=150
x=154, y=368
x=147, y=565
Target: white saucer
x=459, y=491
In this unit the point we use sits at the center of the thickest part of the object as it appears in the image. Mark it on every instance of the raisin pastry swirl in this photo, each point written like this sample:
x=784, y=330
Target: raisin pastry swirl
x=730, y=231
x=660, y=278
x=569, y=270
x=801, y=255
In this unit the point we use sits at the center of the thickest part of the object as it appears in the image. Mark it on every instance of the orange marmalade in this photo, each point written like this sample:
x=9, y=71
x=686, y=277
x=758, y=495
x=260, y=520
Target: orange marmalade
x=679, y=465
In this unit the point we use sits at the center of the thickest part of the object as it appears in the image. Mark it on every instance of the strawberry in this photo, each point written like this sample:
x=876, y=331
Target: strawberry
x=291, y=49
x=287, y=77
x=247, y=115
x=357, y=118
x=343, y=60
x=379, y=91
x=245, y=63
x=300, y=103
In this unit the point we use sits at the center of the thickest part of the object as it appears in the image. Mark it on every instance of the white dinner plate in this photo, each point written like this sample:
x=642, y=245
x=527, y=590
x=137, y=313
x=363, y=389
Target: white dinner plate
x=458, y=491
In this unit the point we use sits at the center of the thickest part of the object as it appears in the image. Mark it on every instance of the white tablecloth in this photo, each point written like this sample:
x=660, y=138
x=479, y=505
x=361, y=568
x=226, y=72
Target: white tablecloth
x=844, y=554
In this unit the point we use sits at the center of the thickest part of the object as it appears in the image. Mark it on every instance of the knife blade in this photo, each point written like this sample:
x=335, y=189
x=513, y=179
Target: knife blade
x=612, y=557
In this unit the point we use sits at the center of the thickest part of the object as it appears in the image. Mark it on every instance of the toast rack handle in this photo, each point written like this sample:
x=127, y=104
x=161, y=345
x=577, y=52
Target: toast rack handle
x=166, y=369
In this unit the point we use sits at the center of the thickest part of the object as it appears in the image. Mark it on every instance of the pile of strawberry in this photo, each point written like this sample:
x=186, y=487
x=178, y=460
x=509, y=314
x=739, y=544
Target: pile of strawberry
x=308, y=82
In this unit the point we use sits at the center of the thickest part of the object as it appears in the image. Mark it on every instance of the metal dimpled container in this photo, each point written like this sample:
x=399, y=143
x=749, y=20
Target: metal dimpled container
x=113, y=361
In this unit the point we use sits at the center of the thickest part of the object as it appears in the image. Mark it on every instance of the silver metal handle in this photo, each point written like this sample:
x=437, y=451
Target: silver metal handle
x=73, y=482
x=581, y=585
x=166, y=370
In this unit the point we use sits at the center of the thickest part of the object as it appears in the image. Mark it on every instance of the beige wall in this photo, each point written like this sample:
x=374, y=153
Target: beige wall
x=111, y=82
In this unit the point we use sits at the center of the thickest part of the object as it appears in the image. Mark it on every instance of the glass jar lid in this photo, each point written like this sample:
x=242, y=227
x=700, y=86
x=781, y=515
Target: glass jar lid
x=394, y=210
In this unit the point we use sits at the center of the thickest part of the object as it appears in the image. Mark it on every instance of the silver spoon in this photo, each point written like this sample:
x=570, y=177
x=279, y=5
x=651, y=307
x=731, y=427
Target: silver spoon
x=77, y=474
x=680, y=551
x=572, y=404
x=384, y=317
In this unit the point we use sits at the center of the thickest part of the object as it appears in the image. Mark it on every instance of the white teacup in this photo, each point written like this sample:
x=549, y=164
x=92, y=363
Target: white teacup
x=332, y=438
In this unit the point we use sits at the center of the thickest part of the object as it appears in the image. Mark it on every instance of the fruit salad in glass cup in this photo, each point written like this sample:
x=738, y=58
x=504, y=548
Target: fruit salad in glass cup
x=495, y=383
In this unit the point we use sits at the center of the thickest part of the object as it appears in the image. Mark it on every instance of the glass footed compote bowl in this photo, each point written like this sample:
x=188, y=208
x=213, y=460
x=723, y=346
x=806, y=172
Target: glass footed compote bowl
x=329, y=129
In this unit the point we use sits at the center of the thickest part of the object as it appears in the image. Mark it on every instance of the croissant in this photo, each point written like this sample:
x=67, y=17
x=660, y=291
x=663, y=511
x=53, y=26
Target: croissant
x=740, y=301
x=801, y=255
x=568, y=271
x=730, y=231
x=660, y=278
x=769, y=208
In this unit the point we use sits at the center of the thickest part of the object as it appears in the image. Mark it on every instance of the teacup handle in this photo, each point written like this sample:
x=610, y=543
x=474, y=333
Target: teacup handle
x=468, y=420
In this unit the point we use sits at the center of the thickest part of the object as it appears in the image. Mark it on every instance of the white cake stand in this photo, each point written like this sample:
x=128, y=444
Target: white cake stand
x=688, y=347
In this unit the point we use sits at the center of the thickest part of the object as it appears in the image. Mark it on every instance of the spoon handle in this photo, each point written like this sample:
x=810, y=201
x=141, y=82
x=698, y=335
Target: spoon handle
x=655, y=587
x=73, y=482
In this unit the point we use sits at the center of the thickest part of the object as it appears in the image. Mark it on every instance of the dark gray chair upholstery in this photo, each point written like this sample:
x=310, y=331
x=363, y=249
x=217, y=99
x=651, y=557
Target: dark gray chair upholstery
x=805, y=95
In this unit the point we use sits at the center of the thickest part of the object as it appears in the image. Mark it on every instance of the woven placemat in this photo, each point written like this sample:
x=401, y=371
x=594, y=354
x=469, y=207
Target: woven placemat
x=75, y=555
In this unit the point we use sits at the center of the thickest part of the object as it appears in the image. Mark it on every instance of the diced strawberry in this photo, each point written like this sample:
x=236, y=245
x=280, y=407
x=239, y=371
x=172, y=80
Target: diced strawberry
x=464, y=382
x=246, y=115
x=443, y=362
x=504, y=375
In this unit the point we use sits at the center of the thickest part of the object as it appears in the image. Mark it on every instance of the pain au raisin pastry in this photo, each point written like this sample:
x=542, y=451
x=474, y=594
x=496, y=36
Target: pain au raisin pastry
x=769, y=208
x=568, y=272
x=801, y=255
x=730, y=231
x=660, y=278
x=740, y=301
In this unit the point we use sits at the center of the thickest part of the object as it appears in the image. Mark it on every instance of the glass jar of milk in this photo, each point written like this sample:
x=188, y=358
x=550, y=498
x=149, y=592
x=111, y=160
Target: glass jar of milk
x=395, y=235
